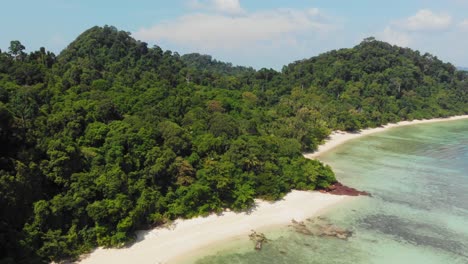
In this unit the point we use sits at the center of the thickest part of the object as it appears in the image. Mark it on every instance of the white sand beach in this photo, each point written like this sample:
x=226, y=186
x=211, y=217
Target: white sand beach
x=339, y=137
x=167, y=245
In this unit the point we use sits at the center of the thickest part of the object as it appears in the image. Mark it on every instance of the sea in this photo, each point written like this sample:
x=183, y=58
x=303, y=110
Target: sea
x=417, y=214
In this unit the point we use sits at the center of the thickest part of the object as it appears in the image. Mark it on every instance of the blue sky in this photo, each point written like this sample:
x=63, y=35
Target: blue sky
x=260, y=33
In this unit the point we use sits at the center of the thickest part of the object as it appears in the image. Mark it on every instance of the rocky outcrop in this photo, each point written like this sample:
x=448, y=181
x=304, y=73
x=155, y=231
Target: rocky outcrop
x=258, y=238
x=320, y=227
x=340, y=189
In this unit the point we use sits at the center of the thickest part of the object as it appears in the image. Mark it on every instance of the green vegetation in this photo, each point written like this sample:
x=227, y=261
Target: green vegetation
x=112, y=136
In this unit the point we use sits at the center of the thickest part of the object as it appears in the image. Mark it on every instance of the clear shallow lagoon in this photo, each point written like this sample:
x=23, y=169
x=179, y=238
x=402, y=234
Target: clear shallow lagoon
x=418, y=176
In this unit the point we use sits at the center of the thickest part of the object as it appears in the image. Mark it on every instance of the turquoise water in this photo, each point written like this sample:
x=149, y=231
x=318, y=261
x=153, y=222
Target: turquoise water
x=418, y=212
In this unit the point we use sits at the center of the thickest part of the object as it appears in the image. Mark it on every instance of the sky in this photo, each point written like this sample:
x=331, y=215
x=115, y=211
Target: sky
x=257, y=33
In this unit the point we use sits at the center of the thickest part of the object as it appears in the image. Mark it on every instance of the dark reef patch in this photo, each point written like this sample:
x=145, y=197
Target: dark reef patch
x=416, y=233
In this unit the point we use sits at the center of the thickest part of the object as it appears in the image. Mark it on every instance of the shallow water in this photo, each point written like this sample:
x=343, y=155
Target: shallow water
x=418, y=212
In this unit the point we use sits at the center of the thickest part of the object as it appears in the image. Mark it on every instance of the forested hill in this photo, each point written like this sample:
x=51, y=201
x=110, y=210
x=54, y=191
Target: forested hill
x=112, y=136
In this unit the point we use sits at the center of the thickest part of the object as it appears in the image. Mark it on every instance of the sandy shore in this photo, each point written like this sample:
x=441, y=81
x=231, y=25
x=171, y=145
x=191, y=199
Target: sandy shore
x=339, y=137
x=167, y=245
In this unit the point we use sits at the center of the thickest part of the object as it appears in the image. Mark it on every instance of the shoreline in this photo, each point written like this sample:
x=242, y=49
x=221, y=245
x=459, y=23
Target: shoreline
x=184, y=238
x=337, y=138
x=188, y=238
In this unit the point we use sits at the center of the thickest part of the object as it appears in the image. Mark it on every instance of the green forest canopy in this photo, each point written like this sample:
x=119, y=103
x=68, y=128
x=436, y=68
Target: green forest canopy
x=112, y=136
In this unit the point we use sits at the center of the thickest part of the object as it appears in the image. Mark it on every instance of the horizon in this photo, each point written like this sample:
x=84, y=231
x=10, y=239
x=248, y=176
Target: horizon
x=250, y=33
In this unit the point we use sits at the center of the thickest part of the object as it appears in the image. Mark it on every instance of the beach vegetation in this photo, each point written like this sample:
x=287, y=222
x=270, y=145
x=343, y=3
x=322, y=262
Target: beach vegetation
x=112, y=136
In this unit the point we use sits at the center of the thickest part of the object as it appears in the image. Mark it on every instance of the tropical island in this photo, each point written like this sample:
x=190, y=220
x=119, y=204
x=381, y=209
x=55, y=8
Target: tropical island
x=112, y=136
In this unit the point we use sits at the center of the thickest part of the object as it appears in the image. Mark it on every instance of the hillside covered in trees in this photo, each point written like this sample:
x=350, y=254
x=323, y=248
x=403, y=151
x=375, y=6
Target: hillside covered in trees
x=112, y=136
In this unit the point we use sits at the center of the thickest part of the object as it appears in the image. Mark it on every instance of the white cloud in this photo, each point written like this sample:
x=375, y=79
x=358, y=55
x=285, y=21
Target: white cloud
x=394, y=37
x=314, y=11
x=464, y=25
x=425, y=20
x=231, y=7
x=433, y=32
x=224, y=32
x=412, y=29
x=228, y=6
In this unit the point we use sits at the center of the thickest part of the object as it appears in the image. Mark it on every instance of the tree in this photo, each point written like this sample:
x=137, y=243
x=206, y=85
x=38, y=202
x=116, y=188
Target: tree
x=112, y=136
x=16, y=49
